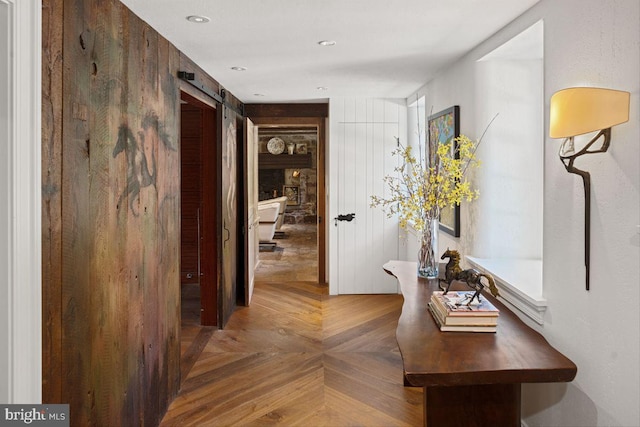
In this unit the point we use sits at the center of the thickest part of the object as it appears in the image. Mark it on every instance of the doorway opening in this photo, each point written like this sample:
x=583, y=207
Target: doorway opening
x=295, y=171
x=288, y=169
x=198, y=214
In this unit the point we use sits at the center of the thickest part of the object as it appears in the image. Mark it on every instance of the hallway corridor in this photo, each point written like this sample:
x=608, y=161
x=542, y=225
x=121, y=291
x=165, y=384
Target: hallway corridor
x=297, y=356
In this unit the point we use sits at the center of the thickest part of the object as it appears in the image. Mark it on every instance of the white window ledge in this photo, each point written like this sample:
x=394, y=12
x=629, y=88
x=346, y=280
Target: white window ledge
x=519, y=281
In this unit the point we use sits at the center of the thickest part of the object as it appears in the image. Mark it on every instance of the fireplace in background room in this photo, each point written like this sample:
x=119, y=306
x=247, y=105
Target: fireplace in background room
x=270, y=183
x=294, y=170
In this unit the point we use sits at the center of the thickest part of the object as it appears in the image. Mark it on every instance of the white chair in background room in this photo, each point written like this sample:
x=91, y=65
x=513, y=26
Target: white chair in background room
x=268, y=218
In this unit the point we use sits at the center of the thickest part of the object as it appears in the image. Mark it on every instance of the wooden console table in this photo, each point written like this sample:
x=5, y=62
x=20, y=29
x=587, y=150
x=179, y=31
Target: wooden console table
x=470, y=379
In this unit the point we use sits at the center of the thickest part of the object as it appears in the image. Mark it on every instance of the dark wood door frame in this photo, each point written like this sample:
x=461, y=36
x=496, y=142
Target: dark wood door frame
x=320, y=110
x=242, y=230
x=208, y=269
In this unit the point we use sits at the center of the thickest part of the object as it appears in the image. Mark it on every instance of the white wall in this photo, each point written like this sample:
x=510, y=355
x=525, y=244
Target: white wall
x=417, y=113
x=590, y=43
x=20, y=220
x=510, y=179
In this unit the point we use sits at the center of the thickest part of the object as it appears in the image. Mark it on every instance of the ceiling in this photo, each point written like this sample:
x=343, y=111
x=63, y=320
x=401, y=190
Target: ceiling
x=384, y=48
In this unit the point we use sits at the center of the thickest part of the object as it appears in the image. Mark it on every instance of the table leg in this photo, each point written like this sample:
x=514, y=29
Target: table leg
x=405, y=381
x=472, y=406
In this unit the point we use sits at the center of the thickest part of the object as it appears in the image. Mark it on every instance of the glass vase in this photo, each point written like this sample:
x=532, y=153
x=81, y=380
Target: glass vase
x=428, y=262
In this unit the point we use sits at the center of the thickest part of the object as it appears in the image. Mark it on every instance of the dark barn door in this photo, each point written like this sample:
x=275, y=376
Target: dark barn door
x=228, y=211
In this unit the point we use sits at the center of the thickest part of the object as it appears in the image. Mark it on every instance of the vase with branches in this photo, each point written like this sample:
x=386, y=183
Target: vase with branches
x=423, y=185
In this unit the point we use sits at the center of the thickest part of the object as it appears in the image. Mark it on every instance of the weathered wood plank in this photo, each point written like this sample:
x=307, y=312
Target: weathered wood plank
x=171, y=216
x=109, y=318
x=77, y=224
x=168, y=231
x=51, y=200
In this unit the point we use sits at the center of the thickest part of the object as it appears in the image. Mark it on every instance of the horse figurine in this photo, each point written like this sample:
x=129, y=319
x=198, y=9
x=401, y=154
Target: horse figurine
x=471, y=277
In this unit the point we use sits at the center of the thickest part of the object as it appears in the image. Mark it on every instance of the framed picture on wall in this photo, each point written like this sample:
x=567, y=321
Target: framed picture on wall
x=301, y=148
x=292, y=192
x=443, y=127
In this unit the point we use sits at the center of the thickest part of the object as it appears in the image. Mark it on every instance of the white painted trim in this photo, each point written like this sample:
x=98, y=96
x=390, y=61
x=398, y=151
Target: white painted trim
x=24, y=246
x=7, y=14
x=519, y=282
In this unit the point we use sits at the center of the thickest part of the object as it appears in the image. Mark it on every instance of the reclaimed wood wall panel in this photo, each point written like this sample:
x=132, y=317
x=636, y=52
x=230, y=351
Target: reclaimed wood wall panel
x=111, y=215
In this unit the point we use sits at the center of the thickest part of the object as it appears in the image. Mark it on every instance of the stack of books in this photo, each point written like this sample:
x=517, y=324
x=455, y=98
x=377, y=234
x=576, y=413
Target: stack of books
x=452, y=314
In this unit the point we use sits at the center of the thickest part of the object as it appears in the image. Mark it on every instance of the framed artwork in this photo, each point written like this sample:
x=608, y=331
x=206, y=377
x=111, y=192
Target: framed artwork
x=301, y=148
x=292, y=192
x=443, y=127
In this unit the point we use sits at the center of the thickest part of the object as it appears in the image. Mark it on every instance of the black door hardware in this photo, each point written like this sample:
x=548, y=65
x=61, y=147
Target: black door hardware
x=347, y=217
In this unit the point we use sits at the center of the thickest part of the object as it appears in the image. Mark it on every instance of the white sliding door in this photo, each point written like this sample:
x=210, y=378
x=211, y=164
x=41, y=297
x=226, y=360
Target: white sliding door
x=252, y=206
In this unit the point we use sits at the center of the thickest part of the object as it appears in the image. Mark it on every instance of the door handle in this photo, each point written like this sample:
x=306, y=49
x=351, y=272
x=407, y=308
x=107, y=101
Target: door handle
x=224, y=225
x=200, y=238
x=344, y=217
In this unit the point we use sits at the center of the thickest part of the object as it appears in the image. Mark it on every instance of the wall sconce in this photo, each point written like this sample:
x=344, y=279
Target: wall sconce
x=579, y=110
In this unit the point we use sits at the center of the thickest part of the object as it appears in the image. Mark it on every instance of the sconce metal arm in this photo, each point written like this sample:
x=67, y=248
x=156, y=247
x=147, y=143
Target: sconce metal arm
x=568, y=161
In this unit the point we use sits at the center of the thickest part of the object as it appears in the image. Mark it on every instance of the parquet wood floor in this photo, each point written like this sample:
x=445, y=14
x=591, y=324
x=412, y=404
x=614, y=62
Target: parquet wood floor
x=298, y=357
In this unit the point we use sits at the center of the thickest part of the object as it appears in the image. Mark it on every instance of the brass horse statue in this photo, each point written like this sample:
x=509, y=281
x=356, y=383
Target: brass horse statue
x=471, y=277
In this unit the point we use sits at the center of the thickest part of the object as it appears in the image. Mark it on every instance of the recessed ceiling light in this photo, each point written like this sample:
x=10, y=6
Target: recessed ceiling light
x=322, y=88
x=327, y=43
x=239, y=68
x=197, y=19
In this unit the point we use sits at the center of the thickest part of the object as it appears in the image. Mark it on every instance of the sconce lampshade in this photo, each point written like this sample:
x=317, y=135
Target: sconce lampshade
x=580, y=110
